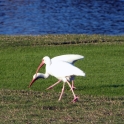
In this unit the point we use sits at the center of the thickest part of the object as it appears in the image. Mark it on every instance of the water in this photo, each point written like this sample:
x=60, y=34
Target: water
x=38, y=17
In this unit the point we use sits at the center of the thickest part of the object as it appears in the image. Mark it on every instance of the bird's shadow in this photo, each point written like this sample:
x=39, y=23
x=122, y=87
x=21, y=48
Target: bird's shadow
x=101, y=86
x=113, y=85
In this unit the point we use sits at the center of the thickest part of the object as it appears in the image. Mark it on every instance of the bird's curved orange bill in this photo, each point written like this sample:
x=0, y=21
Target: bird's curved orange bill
x=41, y=64
x=33, y=80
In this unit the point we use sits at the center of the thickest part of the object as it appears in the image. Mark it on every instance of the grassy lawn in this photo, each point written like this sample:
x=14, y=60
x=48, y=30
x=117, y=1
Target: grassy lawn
x=101, y=92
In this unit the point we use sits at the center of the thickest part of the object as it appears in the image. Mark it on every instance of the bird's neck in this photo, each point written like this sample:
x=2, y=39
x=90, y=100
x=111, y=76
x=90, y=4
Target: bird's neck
x=48, y=65
x=46, y=75
x=41, y=75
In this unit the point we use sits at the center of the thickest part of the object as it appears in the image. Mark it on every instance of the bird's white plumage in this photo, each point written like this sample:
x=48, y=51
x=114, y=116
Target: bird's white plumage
x=70, y=58
x=61, y=69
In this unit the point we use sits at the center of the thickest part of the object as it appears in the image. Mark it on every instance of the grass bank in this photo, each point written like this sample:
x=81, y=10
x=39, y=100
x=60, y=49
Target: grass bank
x=57, y=40
x=101, y=91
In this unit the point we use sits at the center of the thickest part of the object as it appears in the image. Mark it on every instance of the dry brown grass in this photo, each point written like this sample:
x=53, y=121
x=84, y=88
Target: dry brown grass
x=57, y=39
x=32, y=107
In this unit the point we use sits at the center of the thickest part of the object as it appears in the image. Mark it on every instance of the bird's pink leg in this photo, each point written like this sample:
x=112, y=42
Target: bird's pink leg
x=62, y=92
x=73, y=87
x=75, y=97
x=53, y=85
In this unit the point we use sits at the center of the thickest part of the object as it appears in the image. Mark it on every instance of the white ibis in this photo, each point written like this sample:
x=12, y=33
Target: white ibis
x=62, y=70
x=69, y=58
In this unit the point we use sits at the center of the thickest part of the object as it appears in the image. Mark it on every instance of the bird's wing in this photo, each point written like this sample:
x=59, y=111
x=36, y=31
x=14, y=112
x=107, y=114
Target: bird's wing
x=70, y=58
x=63, y=69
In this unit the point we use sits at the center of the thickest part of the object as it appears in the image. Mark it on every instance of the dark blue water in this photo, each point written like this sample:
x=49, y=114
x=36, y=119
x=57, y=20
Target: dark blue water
x=37, y=17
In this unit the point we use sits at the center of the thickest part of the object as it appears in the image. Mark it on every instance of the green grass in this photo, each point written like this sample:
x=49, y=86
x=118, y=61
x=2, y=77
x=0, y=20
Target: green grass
x=101, y=92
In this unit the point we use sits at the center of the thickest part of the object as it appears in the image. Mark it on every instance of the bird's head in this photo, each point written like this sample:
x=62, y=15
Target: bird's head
x=35, y=77
x=46, y=60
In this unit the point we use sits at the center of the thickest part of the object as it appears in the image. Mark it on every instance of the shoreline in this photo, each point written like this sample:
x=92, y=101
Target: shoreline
x=68, y=39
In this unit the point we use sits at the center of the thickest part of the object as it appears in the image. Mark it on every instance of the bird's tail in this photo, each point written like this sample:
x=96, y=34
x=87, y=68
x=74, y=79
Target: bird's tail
x=79, y=73
x=82, y=74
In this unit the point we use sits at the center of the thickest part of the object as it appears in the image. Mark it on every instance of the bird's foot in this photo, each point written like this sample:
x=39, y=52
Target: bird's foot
x=75, y=99
x=73, y=87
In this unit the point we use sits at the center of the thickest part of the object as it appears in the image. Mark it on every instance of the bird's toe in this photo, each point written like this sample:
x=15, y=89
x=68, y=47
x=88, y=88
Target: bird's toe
x=75, y=99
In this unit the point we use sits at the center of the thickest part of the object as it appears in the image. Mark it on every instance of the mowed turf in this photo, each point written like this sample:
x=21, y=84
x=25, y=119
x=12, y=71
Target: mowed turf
x=101, y=92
